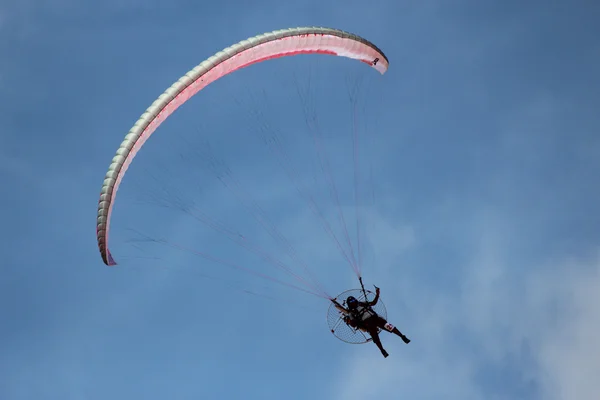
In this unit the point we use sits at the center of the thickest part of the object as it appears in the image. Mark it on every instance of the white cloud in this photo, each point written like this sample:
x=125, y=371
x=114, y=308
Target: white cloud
x=548, y=314
x=570, y=350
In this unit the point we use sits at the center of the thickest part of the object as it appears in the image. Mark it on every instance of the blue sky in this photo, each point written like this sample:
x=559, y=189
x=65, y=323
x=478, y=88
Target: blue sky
x=483, y=235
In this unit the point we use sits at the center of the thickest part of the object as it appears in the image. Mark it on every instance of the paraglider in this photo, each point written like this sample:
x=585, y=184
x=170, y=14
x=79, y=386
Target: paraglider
x=361, y=314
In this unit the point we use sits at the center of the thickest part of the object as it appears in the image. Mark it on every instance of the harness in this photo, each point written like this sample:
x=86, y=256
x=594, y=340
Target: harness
x=362, y=313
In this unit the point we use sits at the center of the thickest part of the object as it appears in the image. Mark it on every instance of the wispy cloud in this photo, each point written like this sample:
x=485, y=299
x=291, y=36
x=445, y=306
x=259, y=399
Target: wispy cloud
x=506, y=333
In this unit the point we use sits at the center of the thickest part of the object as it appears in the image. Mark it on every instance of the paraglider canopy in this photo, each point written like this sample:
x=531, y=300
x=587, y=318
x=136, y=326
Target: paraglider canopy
x=335, y=318
x=281, y=43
